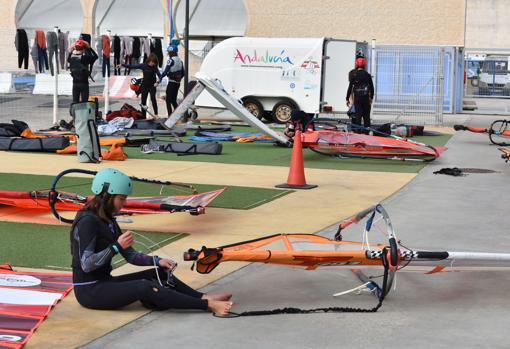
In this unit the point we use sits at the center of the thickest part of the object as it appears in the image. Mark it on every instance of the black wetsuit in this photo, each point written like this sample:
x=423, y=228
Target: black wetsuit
x=93, y=245
x=362, y=88
x=174, y=70
x=150, y=75
x=116, y=54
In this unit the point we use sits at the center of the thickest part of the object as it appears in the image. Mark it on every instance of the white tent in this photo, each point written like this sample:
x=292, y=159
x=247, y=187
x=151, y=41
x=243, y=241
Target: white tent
x=208, y=18
x=130, y=17
x=212, y=18
x=46, y=14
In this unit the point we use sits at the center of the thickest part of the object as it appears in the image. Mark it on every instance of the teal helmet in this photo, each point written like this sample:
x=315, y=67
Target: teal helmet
x=112, y=181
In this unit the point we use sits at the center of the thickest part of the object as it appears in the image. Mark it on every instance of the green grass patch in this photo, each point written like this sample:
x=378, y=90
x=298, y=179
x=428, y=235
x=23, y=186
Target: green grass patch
x=269, y=155
x=234, y=197
x=47, y=246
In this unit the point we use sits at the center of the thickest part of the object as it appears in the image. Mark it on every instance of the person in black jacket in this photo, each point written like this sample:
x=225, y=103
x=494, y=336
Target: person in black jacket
x=151, y=78
x=80, y=59
x=96, y=238
x=175, y=71
x=361, y=88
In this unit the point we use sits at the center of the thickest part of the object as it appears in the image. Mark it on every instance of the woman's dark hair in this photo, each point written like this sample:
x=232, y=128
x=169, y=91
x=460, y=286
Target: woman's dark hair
x=152, y=58
x=102, y=206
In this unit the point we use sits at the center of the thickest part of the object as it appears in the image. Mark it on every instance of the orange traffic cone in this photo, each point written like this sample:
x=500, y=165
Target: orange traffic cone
x=296, y=179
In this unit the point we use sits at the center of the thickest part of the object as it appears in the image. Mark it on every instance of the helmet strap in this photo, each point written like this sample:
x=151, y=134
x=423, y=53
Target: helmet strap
x=104, y=193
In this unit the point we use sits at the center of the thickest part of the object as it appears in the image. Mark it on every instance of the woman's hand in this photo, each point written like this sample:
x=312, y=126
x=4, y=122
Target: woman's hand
x=167, y=263
x=126, y=239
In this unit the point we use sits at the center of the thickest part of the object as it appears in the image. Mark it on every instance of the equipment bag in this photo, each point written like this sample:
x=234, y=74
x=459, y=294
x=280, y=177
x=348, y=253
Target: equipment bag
x=49, y=144
x=185, y=148
x=84, y=115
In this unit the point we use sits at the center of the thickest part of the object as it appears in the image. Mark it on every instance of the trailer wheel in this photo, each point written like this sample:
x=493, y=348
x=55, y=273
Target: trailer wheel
x=282, y=111
x=254, y=107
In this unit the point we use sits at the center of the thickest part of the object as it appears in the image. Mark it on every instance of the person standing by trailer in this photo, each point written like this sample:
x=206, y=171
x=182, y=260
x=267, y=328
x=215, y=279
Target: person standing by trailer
x=151, y=78
x=175, y=71
x=79, y=62
x=361, y=88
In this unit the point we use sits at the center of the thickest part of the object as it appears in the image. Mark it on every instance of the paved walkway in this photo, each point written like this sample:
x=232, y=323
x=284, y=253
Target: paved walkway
x=445, y=310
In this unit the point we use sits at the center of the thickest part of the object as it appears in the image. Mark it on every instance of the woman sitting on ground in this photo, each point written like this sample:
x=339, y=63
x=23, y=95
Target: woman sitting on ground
x=96, y=238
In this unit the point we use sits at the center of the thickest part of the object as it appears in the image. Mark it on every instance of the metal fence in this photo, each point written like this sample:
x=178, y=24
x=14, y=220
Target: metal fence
x=409, y=84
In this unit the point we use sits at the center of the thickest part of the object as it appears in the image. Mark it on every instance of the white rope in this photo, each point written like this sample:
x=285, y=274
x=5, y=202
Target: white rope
x=357, y=288
x=156, y=270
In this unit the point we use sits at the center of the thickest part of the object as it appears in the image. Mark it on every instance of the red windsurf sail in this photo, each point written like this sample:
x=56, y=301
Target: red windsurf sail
x=38, y=199
x=26, y=298
x=350, y=144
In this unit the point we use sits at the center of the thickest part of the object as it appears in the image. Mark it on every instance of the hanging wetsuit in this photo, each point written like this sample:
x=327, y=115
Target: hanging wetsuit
x=42, y=54
x=116, y=55
x=105, y=44
x=146, y=47
x=127, y=49
x=21, y=42
x=34, y=53
x=63, y=46
x=158, y=50
x=136, y=49
x=93, y=245
x=52, y=44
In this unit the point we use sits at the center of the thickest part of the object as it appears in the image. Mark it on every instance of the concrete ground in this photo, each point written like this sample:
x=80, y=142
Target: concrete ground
x=444, y=310
x=489, y=105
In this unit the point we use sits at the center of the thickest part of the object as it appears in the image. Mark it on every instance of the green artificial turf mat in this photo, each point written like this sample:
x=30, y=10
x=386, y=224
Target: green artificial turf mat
x=234, y=197
x=47, y=246
x=270, y=155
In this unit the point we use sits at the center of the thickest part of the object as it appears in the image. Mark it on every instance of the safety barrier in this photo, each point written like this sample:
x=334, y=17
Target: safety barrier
x=45, y=84
x=6, y=83
x=119, y=87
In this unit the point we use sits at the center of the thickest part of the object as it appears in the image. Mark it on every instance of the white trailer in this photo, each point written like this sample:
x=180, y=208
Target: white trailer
x=273, y=76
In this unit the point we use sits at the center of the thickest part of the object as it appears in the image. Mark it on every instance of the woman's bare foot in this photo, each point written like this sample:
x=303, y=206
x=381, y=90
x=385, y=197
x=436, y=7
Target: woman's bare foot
x=217, y=296
x=219, y=307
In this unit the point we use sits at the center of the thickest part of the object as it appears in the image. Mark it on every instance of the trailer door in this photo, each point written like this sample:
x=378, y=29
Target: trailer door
x=339, y=60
